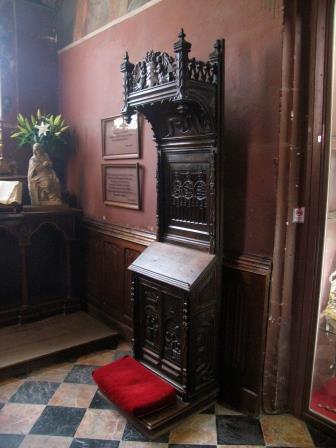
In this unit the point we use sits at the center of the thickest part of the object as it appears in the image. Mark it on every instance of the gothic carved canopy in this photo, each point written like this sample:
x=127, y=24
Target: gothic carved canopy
x=181, y=98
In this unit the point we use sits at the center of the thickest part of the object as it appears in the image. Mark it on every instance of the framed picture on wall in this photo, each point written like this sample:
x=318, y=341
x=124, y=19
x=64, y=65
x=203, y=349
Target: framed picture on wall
x=120, y=140
x=121, y=185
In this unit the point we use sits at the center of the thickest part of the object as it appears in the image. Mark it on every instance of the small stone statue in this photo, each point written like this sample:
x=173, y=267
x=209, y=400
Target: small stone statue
x=43, y=184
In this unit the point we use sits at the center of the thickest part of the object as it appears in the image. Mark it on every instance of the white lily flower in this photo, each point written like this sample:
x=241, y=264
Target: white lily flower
x=43, y=128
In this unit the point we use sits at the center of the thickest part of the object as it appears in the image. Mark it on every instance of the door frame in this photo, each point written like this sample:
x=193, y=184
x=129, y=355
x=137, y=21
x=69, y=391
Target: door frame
x=313, y=193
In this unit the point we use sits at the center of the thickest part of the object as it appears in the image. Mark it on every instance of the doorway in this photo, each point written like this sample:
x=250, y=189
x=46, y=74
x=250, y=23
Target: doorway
x=313, y=362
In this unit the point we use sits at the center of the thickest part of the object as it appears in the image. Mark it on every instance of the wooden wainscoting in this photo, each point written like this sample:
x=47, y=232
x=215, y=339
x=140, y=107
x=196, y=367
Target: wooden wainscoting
x=246, y=280
x=109, y=250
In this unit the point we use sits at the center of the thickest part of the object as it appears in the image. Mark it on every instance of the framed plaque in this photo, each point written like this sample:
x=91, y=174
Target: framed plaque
x=120, y=140
x=121, y=185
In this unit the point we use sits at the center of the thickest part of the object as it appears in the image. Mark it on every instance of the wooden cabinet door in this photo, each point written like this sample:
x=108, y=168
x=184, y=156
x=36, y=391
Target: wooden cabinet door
x=161, y=330
x=173, y=334
x=150, y=326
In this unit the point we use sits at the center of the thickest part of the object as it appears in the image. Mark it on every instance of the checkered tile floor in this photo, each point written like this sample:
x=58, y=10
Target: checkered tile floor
x=60, y=407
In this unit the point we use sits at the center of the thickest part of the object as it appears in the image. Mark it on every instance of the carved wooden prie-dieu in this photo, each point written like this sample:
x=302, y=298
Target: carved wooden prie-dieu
x=176, y=281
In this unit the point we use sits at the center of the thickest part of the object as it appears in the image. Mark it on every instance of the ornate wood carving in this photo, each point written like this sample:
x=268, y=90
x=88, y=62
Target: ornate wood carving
x=176, y=304
x=204, y=368
x=179, y=96
x=151, y=318
x=172, y=329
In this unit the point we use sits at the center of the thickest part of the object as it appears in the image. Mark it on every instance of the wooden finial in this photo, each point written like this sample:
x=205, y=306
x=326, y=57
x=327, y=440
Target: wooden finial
x=182, y=34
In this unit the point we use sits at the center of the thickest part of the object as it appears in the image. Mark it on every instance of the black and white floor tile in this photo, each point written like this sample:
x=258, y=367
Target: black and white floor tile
x=60, y=407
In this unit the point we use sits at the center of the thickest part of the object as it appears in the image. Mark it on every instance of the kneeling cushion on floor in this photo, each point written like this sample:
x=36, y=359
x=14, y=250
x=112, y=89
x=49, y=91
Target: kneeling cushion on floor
x=132, y=387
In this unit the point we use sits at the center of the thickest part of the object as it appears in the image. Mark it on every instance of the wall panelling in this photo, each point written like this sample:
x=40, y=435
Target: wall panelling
x=109, y=250
x=246, y=280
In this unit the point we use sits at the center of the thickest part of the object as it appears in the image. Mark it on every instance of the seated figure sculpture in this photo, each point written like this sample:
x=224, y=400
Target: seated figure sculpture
x=43, y=184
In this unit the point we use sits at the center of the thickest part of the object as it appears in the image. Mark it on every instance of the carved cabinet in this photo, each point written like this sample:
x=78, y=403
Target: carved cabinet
x=176, y=318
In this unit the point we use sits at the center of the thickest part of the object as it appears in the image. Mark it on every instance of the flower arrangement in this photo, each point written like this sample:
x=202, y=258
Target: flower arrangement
x=49, y=130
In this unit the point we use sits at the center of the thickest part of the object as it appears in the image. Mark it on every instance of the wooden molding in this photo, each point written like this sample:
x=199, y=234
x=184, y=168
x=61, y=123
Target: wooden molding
x=121, y=232
x=258, y=264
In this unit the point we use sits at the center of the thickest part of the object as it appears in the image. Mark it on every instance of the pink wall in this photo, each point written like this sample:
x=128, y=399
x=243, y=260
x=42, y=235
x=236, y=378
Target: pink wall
x=91, y=89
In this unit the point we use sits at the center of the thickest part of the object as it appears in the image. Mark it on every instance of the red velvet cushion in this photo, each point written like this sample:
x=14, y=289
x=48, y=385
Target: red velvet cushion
x=132, y=387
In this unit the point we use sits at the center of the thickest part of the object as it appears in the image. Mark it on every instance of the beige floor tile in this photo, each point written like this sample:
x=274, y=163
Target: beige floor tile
x=124, y=346
x=46, y=442
x=19, y=418
x=55, y=373
x=73, y=395
x=198, y=429
x=124, y=444
x=222, y=409
x=97, y=358
x=101, y=424
x=8, y=388
x=285, y=431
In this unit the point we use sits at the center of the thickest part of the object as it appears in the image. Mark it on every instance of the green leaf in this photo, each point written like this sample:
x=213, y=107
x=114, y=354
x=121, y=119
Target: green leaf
x=22, y=129
x=20, y=119
x=27, y=124
x=57, y=120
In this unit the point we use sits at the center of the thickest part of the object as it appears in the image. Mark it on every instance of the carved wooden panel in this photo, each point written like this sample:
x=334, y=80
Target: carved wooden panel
x=156, y=68
x=187, y=179
x=189, y=194
x=150, y=317
x=172, y=310
x=202, y=343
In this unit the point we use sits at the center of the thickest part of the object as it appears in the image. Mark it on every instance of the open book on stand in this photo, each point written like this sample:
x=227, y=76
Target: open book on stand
x=10, y=196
